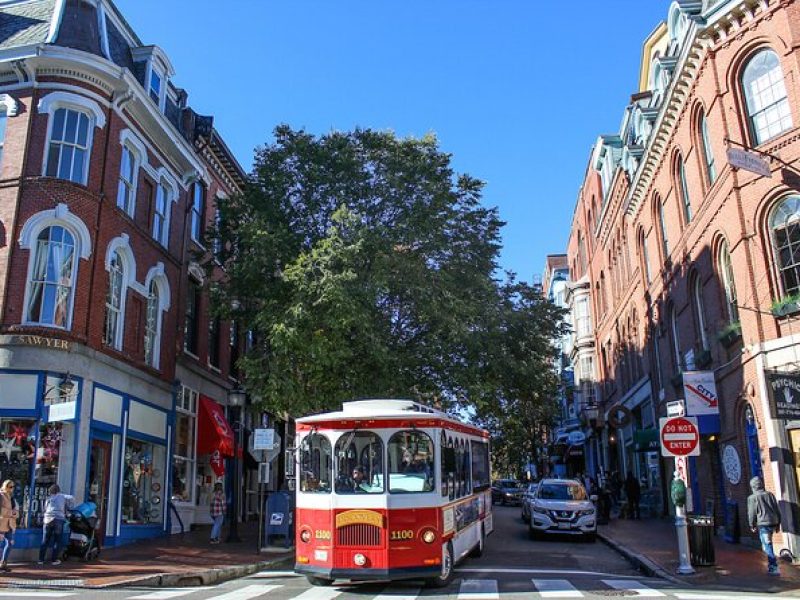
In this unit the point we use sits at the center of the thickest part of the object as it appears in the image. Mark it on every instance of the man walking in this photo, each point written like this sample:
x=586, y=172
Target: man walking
x=634, y=493
x=764, y=517
x=55, y=515
x=217, y=513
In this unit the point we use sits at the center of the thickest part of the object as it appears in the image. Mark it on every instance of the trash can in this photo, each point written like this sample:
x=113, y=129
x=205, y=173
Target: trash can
x=701, y=540
x=280, y=517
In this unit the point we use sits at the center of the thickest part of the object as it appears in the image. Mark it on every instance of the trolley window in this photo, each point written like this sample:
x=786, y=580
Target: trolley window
x=480, y=465
x=359, y=463
x=410, y=462
x=315, y=464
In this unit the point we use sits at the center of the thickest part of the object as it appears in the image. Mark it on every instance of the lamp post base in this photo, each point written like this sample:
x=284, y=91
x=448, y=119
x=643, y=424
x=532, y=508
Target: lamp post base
x=684, y=559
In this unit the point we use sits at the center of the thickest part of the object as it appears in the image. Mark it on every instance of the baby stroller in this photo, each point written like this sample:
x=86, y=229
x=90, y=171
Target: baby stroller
x=83, y=541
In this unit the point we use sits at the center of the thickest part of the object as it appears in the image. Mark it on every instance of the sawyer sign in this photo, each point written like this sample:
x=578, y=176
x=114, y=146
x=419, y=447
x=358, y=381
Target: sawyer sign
x=784, y=394
x=749, y=161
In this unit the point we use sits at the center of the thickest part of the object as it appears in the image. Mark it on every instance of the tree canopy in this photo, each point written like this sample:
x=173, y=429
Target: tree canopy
x=364, y=266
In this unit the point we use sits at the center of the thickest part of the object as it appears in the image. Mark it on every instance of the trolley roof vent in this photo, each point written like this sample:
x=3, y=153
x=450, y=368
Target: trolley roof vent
x=383, y=406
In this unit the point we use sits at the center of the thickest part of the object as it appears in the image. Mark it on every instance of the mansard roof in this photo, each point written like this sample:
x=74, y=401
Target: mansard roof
x=25, y=23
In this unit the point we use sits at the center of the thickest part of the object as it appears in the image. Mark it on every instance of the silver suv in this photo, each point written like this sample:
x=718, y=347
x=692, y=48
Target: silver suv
x=562, y=506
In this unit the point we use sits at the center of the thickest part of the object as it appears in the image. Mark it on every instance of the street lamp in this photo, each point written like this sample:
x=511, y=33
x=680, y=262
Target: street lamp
x=236, y=399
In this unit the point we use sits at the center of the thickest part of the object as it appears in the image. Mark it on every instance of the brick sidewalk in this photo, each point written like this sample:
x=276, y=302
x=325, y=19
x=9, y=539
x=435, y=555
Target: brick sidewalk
x=738, y=567
x=184, y=559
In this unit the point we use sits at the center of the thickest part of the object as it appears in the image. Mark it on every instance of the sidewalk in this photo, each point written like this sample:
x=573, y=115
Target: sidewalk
x=652, y=545
x=177, y=560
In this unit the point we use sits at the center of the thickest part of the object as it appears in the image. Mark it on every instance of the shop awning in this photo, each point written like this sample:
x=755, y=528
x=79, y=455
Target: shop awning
x=213, y=431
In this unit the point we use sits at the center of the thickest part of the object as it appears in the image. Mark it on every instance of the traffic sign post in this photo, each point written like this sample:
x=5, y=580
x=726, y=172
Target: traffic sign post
x=680, y=436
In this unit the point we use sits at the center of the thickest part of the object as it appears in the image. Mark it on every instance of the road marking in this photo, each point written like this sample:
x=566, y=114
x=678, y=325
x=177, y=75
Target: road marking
x=273, y=574
x=743, y=596
x=494, y=570
x=43, y=594
x=478, y=589
x=319, y=593
x=633, y=586
x=390, y=593
x=556, y=588
x=164, y=594
x=247, y=592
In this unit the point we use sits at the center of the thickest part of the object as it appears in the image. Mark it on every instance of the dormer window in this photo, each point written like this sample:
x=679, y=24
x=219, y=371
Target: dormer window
x=156, y=71
x=155, y=86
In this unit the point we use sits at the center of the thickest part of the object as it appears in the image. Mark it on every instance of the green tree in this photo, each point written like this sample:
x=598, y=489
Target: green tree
x=364, y=266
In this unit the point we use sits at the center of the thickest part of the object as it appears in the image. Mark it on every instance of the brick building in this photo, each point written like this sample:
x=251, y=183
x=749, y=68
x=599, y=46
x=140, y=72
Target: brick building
x=691, y=265
x=113, y=375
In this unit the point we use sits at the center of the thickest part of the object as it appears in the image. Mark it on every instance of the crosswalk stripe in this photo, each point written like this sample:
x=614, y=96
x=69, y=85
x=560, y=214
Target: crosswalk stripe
x=319, y=593
x=398, y=594
x=273, y=574
x=42, y=594
x=633, y=585
x=478, y=589
x=247, y=592
x=556, y=588
x=164, y=594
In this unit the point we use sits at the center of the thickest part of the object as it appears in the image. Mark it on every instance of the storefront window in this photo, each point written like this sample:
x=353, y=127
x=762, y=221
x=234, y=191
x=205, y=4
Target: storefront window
x=143, y=483
x=17, y=451
x=183, y=463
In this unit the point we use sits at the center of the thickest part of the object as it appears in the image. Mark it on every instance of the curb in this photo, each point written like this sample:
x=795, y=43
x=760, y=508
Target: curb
x=640, y=561
x=196, y=578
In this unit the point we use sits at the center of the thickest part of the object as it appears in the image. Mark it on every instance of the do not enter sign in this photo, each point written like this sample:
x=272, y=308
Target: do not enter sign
x=680, y=436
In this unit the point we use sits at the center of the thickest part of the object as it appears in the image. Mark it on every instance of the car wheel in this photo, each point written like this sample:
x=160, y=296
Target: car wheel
x=444, y=578
x=477, y=550
x=318, y=581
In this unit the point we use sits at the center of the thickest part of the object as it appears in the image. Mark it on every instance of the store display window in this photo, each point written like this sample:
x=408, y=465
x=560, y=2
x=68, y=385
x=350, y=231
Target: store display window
x=183, y=460
x=17, y=453
x=143, y=483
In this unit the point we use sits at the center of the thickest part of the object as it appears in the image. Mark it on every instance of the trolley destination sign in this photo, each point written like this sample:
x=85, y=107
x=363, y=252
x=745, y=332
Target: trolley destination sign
x=680, y=436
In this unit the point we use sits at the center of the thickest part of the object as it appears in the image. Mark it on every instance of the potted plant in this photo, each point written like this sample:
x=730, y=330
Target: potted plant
x=729, y=334
x=788, y=305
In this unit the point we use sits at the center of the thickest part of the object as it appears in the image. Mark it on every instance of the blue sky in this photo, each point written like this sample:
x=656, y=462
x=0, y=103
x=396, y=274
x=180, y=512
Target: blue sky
x=516, y=90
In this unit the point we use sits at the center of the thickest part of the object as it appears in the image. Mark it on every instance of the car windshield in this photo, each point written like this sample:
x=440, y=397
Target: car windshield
x=562, y=491
x=509, y=484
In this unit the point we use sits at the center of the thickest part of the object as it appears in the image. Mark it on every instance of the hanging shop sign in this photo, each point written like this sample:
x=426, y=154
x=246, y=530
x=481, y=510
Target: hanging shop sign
x=62, y=411
x=645, y=440
x=784, y=394
x=619, y=416
x=700, y=391
x=749, y=161
x=731, y=464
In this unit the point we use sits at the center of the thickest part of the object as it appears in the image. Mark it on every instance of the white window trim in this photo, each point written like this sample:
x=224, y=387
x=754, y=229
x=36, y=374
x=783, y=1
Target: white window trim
x=97, y=118
x=62, y=217
x=139, y=152
x=193, y=460
x=9, y=104
x=201, y=215
x=119, y=332
x=164, y=178
x=156, y=275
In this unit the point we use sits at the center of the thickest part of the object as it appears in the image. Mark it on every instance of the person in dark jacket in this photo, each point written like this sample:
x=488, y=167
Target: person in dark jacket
x=764, y=518
x=634, y=493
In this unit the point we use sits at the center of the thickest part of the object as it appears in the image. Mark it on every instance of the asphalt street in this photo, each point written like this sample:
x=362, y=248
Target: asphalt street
x=512, y=568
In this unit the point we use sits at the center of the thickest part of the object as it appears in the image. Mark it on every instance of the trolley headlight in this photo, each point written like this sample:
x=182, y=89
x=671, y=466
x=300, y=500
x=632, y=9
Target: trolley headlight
x=305, y=536
x=360, y=560
x=428, y=536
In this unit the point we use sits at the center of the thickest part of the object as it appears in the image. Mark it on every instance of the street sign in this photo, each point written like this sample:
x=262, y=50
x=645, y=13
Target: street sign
x=700, y=390
x=676, y=408
x=263, y=439
x=749, y=161
x=680, y=436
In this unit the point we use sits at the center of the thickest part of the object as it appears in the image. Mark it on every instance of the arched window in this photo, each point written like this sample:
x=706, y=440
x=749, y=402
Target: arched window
x=645, y=257
x=581, y=254
x=699, y=312
x=765, y=94
x=728, y=284
x=676, y=340
x=52, y=278
x=662, y=227
x=785, y=229
x=708, y=153
x=112, y=328
x=683, y=189
x=152, y=326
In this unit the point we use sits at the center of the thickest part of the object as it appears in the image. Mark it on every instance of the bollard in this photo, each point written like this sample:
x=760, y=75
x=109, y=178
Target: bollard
x=678, y=494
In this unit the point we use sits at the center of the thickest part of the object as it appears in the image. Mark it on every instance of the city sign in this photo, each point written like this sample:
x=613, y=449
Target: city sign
x=680, y=436
x=700, y=391
x=749, y=161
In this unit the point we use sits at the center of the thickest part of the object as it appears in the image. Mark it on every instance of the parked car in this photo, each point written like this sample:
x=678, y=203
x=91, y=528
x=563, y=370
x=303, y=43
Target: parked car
x=527, y=499
x=507, y=491
x=561, y=506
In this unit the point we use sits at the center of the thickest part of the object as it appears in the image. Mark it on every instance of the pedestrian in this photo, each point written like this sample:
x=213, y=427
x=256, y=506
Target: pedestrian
x=55, y=515
x=217, y=512
x=764, y=518
x=8, y=522
x=634, y=493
